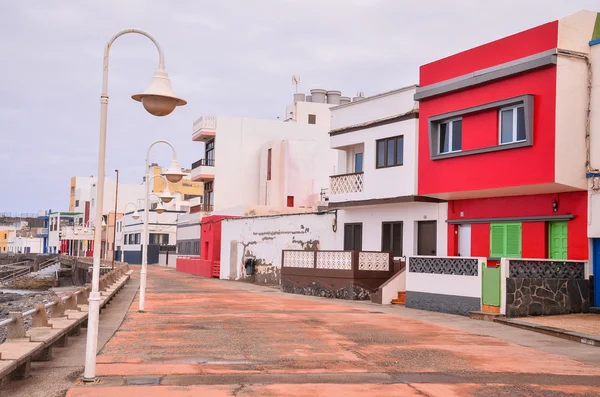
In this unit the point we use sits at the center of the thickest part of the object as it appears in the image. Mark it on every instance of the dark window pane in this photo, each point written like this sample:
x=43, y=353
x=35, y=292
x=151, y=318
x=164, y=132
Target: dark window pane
x=506, y=126
x=380, y=153
x=444, y=138
x=358, y=162
x=348, y=237
x=357, y=238
x=521, y=124
x=391, y=148
x=397, y=239
x=456, y=135
x=400, y=150
x=312, y=119
x=386, y=237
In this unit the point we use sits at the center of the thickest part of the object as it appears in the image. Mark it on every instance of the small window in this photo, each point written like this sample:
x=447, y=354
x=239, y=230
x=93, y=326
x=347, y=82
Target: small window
x=358, y=162
x=512, y=124
x=353, y=237
x=390, y=152
x=312, y=119
x=76, y=203
x=269, y=154
x=450, y=136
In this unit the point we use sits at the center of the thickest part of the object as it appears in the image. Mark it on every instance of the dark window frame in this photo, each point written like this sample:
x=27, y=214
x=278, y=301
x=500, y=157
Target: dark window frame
x=353, y=226
x=269, y=160
x=391, y=225
x=312, y=119
x=386, y=141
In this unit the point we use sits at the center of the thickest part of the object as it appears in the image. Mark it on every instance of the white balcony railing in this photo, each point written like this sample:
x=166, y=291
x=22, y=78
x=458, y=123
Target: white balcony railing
x=347, y=183
x=205, y=123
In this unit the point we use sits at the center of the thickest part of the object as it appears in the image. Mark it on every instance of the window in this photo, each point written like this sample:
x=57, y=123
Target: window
x=450, y=136
x=505, y=240
x=290, y=201
x=269, y=165
x=312, y=119
x=209, y=152
x=358, y=162
x=390, y=152
x=391, y=238
x=76, y=203
x=353, y=237
x=512, y=124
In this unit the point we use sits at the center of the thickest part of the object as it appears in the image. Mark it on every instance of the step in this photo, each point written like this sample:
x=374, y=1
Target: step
x=401, y=298
x=485, y=316
x=398, y=302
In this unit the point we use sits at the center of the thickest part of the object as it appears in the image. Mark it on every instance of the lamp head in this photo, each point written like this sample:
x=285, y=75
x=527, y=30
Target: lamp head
x=166, y=196
x=159, y=99
x=159, y=208
x=135, y=215
x=173, y=172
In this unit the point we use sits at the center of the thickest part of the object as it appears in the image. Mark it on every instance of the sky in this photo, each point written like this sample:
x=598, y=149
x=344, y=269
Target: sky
x=226, y=57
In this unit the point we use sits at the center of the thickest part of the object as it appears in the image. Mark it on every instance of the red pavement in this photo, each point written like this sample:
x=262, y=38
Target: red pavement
x=212, y=338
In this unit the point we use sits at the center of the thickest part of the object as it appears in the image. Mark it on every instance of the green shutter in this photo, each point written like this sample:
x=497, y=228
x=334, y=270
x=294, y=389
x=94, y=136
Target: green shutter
x=497, y=238
x=513, y=240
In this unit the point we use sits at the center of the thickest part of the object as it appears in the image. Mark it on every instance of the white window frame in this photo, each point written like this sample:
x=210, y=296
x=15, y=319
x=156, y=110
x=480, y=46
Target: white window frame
x=451, y=135
x=514, y=124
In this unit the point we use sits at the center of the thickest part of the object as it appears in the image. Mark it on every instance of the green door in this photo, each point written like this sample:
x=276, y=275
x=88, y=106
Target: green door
x=557, y=236
x=505, y=242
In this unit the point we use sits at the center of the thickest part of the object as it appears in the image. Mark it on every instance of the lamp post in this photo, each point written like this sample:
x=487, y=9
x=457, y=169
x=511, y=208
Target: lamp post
x=158, y=100
x=172, y=174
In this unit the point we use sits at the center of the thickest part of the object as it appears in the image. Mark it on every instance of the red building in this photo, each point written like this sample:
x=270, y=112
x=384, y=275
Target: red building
x=502, y=138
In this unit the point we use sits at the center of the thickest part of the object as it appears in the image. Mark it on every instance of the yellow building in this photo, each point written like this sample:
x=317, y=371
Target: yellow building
x=4, y=240
x=185, y=187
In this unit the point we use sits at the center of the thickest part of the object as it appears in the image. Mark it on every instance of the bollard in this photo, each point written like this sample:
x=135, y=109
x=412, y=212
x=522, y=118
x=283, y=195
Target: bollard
x=16, y=329
x=82, y=298
x=71, y=302
x=58, y=310
x=39, y=318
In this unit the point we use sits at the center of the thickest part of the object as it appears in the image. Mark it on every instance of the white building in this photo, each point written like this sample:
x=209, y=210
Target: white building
x=276, y=163
x=375, y=186
x=25, y=245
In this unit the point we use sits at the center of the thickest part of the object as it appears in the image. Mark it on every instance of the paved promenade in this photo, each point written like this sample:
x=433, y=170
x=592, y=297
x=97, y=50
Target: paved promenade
x=203, y=337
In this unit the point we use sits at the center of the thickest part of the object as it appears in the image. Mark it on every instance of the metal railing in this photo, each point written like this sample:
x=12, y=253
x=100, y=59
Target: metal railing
x=203, y=163
x=20, y=272
x=347, y=183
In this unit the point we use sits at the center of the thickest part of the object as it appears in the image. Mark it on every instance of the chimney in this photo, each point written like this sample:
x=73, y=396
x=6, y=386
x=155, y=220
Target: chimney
x=319, y=95
x=299, y=98
x=344, y=100
x=333, y=97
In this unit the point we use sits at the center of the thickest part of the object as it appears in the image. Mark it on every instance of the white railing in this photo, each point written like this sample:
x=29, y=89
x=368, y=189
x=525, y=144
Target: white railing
x=347, y=183
x=204, y=123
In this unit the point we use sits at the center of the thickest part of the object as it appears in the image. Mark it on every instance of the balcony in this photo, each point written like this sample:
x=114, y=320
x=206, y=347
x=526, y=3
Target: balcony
x=204, y=129
x=203, y=170
x=346, y=183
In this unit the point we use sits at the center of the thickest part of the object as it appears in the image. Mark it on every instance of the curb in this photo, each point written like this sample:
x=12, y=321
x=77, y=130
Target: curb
x=586, y=339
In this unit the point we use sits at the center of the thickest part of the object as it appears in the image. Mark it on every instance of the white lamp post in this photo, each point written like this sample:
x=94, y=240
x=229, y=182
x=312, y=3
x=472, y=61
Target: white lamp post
x=158, y=100
x=172, y=174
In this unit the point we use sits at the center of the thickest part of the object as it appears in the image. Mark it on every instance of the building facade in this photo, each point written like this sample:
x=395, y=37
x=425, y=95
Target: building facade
x=502, y=138
x=375, y=186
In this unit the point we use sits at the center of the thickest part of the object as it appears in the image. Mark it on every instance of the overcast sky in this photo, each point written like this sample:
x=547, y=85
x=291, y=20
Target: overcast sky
x=224, y=57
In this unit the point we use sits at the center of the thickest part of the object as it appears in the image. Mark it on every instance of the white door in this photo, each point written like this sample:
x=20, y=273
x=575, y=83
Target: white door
x=464, y=240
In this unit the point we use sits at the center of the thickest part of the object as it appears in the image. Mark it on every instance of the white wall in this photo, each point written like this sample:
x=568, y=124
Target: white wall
x=127, y=193
x=594, y=197
x=445, y=284
x=188, y=226
x=299, y=168
x=374, y=107
x=237, y=155
x=20, y=244
x=264, y=238
x=409, y=213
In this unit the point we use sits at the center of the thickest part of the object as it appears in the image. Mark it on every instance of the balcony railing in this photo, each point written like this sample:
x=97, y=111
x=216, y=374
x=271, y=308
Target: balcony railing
x=204, y=163
x=205, y=123
x=347, y=183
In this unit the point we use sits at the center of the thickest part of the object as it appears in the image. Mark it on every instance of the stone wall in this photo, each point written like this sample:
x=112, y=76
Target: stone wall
x=539, y=296
x=350, y=292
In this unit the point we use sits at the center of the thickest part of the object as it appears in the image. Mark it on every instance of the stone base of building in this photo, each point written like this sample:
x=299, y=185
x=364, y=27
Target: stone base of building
x=451, y=304
x=349, y=292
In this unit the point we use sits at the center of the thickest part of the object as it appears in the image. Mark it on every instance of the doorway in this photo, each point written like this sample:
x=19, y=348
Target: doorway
x=464, y=240
x=596, y=270
x=427, y=238
x=557, y=240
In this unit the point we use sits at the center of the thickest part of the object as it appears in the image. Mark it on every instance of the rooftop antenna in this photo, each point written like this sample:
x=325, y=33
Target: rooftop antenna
x=296, y=81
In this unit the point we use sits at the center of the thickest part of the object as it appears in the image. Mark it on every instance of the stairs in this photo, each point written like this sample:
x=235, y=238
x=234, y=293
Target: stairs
x=401, y=298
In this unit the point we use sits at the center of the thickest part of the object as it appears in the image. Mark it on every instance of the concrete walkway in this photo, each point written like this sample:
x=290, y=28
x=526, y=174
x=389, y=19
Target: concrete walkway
x=53, y=378
x=216, y=338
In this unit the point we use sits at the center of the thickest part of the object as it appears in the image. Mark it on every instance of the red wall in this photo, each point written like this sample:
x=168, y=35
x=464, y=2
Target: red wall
x=193, y=265
x=513, y=167
x=534, y=234
x=510, y=48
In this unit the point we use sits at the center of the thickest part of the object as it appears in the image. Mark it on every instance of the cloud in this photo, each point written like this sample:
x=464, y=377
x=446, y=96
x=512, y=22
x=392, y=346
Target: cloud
x=231, y=57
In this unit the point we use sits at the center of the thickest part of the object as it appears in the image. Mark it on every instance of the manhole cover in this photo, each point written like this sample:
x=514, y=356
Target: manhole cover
x=142, y=381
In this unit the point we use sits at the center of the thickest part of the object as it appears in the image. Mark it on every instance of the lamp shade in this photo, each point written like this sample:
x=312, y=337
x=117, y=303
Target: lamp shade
x=159, y=99
x=166, y=196
x=159, y=208
x=135, y=215
x=173, y=172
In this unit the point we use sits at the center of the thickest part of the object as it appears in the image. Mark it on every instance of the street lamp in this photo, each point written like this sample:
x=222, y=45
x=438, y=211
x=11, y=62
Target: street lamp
x=158, y=100
x=172, y=174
